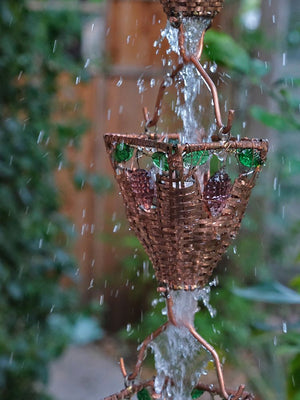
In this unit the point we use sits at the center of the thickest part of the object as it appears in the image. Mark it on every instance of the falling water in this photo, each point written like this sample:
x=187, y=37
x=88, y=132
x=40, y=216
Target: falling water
x=180, y=360
x=189, y=82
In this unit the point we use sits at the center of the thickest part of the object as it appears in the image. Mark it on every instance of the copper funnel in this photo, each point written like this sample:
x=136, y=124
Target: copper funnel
x=184, y=222
x=192, y=8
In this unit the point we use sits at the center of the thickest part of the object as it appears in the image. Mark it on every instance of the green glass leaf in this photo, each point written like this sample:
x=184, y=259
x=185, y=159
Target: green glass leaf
x=160, y=159
x=250, y=158
x=195, y=158
x=123, y=152
x=196, y=393
x=143, y=395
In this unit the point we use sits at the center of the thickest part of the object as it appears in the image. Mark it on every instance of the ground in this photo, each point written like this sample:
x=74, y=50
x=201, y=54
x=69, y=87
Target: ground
x=85, y=373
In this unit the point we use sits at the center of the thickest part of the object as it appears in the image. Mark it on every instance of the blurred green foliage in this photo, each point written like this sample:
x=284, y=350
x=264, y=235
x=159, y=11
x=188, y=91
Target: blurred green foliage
x=36, y=270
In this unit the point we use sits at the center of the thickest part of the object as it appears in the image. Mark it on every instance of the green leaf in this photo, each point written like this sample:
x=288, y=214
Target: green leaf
x=270, y=292
x=294, y=381
x=160, y=159
x=225, y=51
x=123, y=152
x=275, y=121
x=295, y=282
x=143, y=395
x=195, y=158
x=196, y=393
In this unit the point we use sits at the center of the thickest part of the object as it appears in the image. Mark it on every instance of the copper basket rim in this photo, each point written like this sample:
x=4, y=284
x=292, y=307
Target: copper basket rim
x=145, y=141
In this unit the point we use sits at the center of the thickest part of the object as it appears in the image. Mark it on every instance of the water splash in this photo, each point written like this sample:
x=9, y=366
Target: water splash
x=189, y=82
x=180, y=360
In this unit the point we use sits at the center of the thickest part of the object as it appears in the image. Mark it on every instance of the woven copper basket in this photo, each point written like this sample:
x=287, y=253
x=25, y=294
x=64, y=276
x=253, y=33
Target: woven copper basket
x=192, y=8
x=184, y=217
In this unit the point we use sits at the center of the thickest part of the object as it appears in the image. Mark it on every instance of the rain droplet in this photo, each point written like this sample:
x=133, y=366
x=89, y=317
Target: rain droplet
x=213, y=68
x=120, y=81
x=101, y=300
x=117, y=227
x=54, y=46
x=152, y=82
x=40, y=137
x=91, y=285
x=284, y=327
x=284, y=59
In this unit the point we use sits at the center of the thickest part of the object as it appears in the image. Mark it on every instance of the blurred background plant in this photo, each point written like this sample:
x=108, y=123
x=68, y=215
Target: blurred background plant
x=39, y=302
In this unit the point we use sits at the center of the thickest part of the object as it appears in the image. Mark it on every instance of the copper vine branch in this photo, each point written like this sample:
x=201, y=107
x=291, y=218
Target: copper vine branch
x=132, y=388
x=239, y=394
x=186, y=59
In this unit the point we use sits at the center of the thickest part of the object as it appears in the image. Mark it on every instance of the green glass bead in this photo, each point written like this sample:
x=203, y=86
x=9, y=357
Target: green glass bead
x=175, y=142
x=123, y=152
x=250, y=158
x=160, y=160
x=196, y=393
x=195, y=158
x=143, y=395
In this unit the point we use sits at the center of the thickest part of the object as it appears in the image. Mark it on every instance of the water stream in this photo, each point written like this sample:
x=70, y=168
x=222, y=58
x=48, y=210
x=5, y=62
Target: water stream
x=180, y=360
x=189, y=82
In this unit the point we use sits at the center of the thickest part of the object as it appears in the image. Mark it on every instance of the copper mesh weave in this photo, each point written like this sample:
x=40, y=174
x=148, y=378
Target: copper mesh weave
x=192, y=8
x=184, y=227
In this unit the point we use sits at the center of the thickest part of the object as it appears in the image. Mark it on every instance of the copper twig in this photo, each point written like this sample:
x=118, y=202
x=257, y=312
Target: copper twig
x=213, y=352
x=237, y=395
x=207, y=79
x=171, y=315
x=143, y=349
x=185, y=57
x=135, y=388
x=130, y=390
x=228, y=127
x=200, y=46
x=153, y=121
x=122, y=367
x=193, y=58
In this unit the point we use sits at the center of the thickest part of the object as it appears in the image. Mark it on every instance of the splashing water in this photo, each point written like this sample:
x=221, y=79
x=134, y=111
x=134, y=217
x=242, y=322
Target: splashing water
x=189, y=82
x=180, y=360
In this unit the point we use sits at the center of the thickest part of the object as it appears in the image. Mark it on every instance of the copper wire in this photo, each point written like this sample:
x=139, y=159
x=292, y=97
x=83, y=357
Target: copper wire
x=143, y=349
x=194, y=59
x=213, y=352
